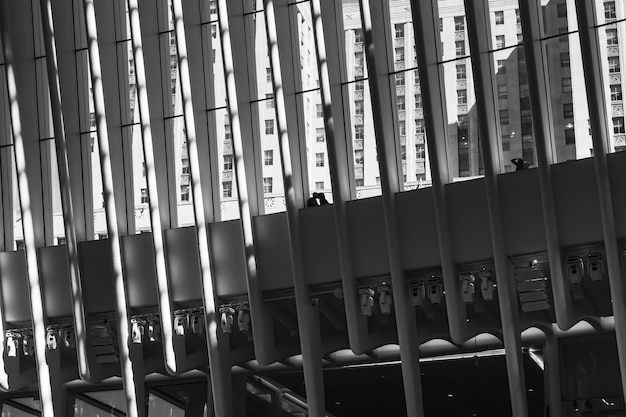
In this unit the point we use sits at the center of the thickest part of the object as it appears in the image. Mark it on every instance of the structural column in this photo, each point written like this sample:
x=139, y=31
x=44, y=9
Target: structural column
x=598, y=111
x=479, y=31
x=375, y=28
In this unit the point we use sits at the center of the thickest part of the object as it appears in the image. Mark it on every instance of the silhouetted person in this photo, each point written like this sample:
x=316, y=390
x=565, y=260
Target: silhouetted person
x=519, y=164
x=322, y=199
x=312, y=202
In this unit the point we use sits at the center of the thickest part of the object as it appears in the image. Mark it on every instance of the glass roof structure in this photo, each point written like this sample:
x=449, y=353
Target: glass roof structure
x=196, y=192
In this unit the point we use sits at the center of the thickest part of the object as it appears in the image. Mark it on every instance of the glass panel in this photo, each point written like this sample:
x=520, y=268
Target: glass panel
x=172, y=102
x=506, y=27
x=559, y=17
x=128, y=102
x=613, y=50
x=464, y=148
x=570, y=113
x=273, y=190
x=100, y=226
x=226, y=163
x=360, y=123
x=410, y=130
x=82, y=409
x=454, y=41
x=115, y=399
x=514, y=115
x=132, y=134
x=18, y=230
x=158, y=407
x=259, y=56
x=315, y=136
x=301, y=19
x=215, y=85
x=44, y=108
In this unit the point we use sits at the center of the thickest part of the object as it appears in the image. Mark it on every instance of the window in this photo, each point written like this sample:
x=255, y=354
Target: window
x=92, y=120
x=185, y=165
x=358, y=157
x=568, y=110
x=226, y=132
x=401, y=102
x=419, y=127
x=501, y=66
x=214, y=31
x=616, y=92
x=268, y=157
x=269, y=127
x=609, y=10
x=358, y=85
x=566, y=85
x=319, y=134
x=359, y=182
x=520, y=38
x=461, y=96
x=212, y=6
x=399, y=79
x=268, y=75
x=319, y=159
x=319, y=110
x=460, y=48
x=417, y=77
x=267, y=185
x=358, y=35
x=461, y=72
x=611, y=37
x=227, y=189
x=614, y=64
x=403, y=152
x=503, y=92
x=570, y=138
x=402, y=127
x=319, y=185
x=359, y=133
x=358, y=59
x=440, y=24
x=564, y=59
x=517, y=17
x=506, y=143
x=399, y=27
x=504, y=117
x=500, y=41
x=420, y=151
x=228, y=162
x=358, y=107
x=418, y=101
x=400, y=54
x=459, y=23
x=618, y=125
x=499, y=18
x=184, y=193
x=144, y=194
x=269, y=101
x=561, y=10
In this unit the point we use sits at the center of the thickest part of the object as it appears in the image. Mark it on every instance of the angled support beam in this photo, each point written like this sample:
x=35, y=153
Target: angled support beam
x=426, y=32
x=17, y=34
x=78, y=310
x=155, y=200
x=217, y=342
x=598, y=111
x=537, y=70
x=134, y=389
x=328, y=33
x=479, y=31
x=308, y=314
x=375, y=22
x=233, y=32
